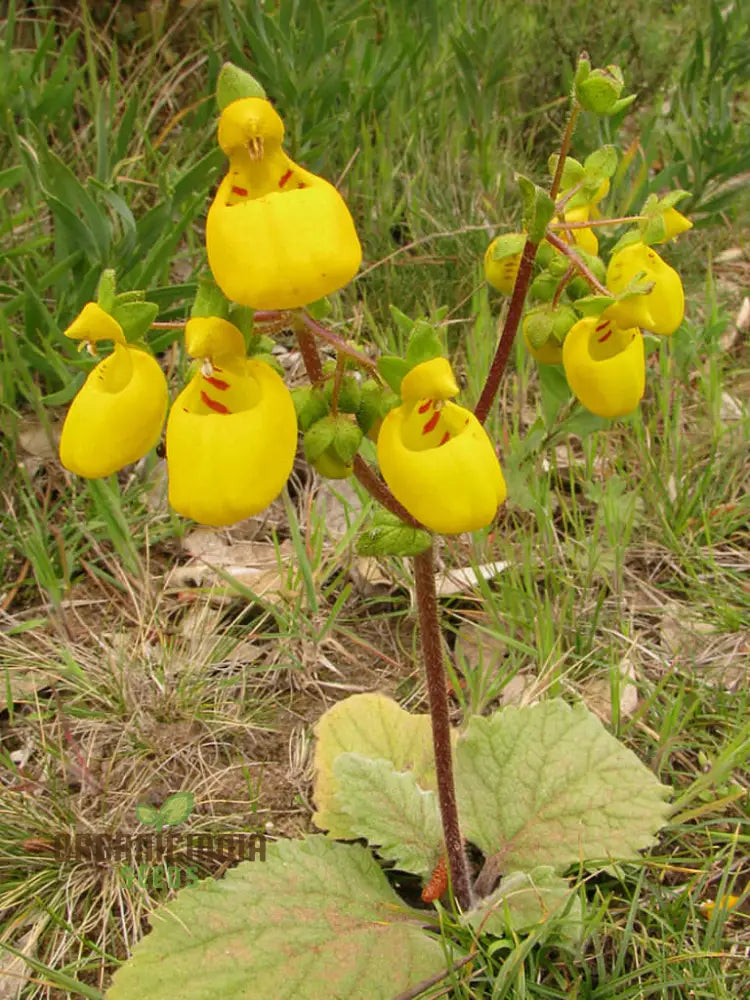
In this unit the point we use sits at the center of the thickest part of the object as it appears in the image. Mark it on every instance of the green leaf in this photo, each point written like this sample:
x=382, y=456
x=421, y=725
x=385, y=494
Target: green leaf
x=404, y=323
x=209, y=299
x=390, y=810
x=392, y=369
x=523, y=900
x=320, y=309
x=507, y=245
x=572, y=171
x=147, y=814
x=600, y=164
x=538, y=208
x=234, y=84
x=135, y=318
x=424, y=344
x=316, y=921
x=593, y=305
x=374, y=726
x=653, y=230
x=547, y=784
x=176, y=808
x=387, y=535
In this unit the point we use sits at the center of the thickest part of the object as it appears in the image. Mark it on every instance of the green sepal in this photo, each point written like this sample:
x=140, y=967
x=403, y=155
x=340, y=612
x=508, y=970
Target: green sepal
x=627, y=239
x=507, y=245
x=537, y=327
x=670, y=199
x=544, y=255
x=639, y=284
x=578, y=288
x=559, y=265
x=135, y=318
x=593, y=305
x=370, y=405
x=234, y=84
x=538, y=208
x=260, y=344
x=583, y=68
x=563, y=317
x=349, y=396
x=600, y=89
x=320, y=309
x=242, y=317
x=209, y=299
x=310, y=405
x=318, y=437
x=347, y=439
x=572, y=172
x=389, y=536
x=620, y=105
x=653, y=230
x=105, y=292
x=544, y=286
x=595, y=264
x=392, y=369
x=424, y=344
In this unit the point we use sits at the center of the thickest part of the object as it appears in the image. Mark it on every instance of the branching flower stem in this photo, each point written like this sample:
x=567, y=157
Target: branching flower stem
x=568, y=251
x=437, y=692
x=432, y=648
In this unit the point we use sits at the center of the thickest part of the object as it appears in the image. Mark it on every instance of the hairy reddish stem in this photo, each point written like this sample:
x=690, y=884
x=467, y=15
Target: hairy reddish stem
x=515, y=309
x=437, y=691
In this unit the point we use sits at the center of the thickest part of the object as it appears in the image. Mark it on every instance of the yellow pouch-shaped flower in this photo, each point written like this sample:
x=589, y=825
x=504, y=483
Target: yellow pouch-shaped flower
x=436, y=457
x=662, y=309
x=277, y=236
x=232, y=431
x=605, y=365
x=118, y=413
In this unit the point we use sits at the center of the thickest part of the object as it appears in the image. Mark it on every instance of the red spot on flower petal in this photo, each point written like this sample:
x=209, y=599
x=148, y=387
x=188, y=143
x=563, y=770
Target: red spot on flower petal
x=301, y=185
x=284, y=178
x=217, y=383
x=602, y=326
x=425, y=406
x=213, y=404
x=431, y=423
x=606, y=336
x=446, y=437
x=242, y=192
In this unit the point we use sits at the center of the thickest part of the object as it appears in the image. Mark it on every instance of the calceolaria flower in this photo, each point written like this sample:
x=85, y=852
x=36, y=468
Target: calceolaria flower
x=436, y=457
x=277, y=236
x=605, y=365
x=660, y=310
x=502, y=260
x=118, y=413
x=232, y=431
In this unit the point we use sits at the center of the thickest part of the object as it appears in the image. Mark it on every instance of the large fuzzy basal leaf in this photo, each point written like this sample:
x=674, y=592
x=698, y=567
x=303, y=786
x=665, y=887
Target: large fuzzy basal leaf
x=374, y=726
x=317, y=921
x=547, y=784
x=524, y=901
x=390, y=810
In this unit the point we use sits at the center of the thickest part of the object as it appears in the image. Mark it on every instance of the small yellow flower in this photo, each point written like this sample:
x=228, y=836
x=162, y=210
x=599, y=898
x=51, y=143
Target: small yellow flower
x=501, y=261
x=662, y=309
x=436, y=457
x=586, y=238
x=674, y=223
x=277, y=236
x=605, y=365
x=232, y=431
x=118, y=413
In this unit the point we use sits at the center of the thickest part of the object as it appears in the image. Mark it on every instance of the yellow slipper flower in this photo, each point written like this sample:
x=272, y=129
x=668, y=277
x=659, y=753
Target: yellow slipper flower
x=232, y=431
x=662, y=309
x=118, y=414
x=277, y=236
x=605, y=365
x=436, y=457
